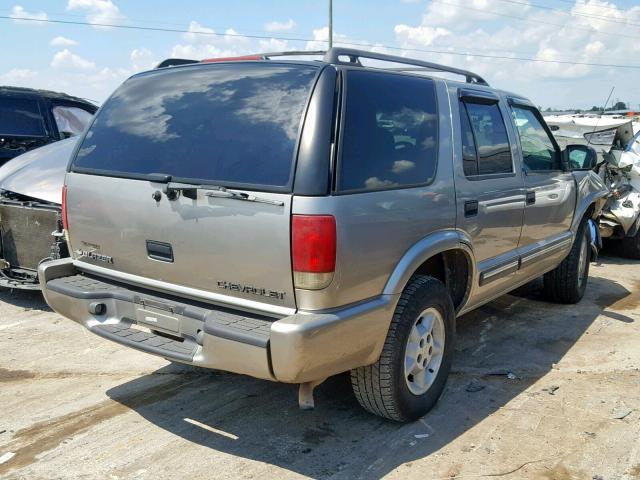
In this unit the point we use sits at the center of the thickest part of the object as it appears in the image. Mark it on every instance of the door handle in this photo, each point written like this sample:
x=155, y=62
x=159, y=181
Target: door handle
x=470, y=208
x=531, y=198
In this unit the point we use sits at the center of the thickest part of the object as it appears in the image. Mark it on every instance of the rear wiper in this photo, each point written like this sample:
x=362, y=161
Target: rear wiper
x=222, y=192
x=172, y=190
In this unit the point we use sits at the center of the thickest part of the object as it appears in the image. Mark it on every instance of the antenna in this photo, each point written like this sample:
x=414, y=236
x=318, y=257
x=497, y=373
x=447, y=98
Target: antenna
x=604, y=109
x=330, y=23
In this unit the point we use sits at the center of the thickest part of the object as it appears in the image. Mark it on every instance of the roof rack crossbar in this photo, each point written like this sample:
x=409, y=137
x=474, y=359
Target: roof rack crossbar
x=333, y=56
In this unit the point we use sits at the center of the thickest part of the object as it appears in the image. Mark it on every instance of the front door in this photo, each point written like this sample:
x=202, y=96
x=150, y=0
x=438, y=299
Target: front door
x=550, y=193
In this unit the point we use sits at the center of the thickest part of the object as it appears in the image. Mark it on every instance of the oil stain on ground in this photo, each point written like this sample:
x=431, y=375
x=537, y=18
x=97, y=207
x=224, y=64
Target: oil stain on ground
x=30, y=442
x=7, y=375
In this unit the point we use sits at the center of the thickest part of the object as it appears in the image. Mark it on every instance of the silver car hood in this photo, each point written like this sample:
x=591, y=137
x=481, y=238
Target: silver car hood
x=39, y=173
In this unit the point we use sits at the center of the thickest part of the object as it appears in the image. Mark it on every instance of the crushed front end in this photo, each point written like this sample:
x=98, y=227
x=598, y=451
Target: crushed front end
x=30, y=233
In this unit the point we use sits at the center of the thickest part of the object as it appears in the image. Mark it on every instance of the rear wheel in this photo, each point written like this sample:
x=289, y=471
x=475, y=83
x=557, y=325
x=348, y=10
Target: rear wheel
x=410, y=374
x=568, y=281
x=631, y=246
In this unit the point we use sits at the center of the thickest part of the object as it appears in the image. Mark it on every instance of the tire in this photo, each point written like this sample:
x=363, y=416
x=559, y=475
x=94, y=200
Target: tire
x=568, y=281
x=385, y=388
x=631, y=246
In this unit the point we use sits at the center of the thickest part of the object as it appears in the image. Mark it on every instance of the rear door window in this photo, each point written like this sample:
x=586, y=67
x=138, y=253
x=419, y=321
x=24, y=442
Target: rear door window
x=21, y=117
x=485, y=143
x=233, y=124
x=389, y=137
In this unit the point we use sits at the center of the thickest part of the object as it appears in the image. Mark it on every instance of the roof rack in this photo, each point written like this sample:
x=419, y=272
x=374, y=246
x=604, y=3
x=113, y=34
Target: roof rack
x=293, y=53
x=174, y=62
x=333, y=56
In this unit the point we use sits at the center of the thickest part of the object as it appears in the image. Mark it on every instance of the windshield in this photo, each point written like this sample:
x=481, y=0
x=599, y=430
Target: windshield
x=229, y=124
x=20, y=117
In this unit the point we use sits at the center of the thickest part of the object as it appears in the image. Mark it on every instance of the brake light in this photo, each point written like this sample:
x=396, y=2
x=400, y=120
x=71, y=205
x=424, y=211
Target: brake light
x=65, y=221
x=313, y=245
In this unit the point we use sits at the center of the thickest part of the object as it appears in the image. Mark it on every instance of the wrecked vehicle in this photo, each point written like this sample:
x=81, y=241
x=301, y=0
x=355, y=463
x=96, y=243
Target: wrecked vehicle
x=30, y=213
x=32, y=118
x=296, y=219
x=620, y=170
x=618, y=149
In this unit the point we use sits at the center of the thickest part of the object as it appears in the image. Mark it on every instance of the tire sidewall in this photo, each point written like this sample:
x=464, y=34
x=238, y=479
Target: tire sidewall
x=435, y=295
x=583, y=237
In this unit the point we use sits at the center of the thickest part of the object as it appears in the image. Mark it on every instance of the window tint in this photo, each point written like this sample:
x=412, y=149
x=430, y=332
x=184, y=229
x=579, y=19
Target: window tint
x=483, y=129
x=538, y=151
x=390, y=131
x=228, y=124
x=20, y=116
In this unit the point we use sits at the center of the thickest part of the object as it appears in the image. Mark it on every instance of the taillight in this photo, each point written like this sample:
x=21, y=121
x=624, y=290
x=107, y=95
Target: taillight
x=65, y=221
x=313, y=245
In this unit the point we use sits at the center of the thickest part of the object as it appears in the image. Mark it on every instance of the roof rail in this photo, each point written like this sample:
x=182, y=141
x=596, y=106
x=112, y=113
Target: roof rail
x=174, y=62
x=333, y=56
x=293, y=53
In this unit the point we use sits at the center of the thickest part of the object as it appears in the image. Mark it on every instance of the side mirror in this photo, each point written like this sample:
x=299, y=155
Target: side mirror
x=581, y=157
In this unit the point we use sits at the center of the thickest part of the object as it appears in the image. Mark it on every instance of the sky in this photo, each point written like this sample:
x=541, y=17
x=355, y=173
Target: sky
x=91, y=61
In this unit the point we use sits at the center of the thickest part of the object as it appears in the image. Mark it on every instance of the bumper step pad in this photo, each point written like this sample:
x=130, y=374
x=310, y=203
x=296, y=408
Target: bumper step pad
x=146, y=341
x=217, y=321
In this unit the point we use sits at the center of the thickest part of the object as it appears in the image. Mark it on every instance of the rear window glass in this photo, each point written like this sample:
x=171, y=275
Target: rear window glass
x=390, y=132
x=20, y=116
x=231, y=124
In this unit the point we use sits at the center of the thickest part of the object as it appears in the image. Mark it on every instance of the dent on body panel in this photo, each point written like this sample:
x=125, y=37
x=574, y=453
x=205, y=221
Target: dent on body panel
x=590, y=189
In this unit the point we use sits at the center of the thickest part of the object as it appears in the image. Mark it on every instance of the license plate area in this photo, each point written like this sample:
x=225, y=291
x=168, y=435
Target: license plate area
x=156, y=319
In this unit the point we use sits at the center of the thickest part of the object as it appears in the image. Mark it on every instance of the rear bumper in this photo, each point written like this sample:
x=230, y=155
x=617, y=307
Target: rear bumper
x=299, y=348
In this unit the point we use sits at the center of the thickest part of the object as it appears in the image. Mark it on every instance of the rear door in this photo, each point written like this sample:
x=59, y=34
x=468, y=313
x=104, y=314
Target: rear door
x=489, y=189
x=233, y=126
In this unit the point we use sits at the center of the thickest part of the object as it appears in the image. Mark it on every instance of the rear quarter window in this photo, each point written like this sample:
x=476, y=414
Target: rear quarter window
x=234, y=124
x=390, y=131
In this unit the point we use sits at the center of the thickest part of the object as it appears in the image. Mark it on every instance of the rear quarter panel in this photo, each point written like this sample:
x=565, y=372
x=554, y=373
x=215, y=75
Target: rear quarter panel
x=376, y=229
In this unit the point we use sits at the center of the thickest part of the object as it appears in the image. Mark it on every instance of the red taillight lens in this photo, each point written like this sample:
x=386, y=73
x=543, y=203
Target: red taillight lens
x=313, y=244
x=65, y=221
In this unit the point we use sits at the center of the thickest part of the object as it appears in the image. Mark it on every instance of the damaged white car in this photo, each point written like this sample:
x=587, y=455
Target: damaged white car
x=620, y=170
x=30, y=213
x=618, y=148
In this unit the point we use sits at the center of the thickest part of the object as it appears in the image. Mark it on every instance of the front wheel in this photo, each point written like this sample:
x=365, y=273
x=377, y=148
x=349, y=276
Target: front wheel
x=406, y=381
x=568, y=281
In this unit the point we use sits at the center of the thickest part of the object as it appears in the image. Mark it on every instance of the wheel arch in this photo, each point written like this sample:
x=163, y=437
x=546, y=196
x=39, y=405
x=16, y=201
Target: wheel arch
x=446, y=255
